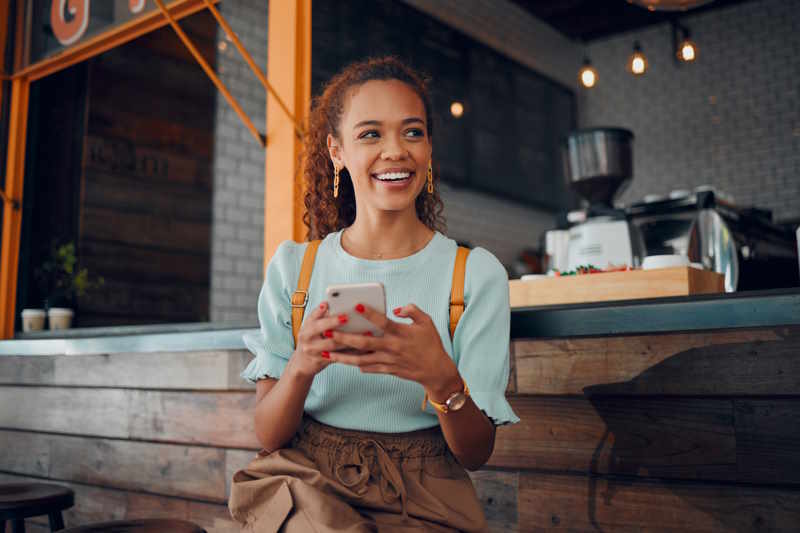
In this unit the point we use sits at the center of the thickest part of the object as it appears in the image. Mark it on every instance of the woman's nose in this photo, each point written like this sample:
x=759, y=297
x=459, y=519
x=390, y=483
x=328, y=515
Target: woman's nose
x=393, y=149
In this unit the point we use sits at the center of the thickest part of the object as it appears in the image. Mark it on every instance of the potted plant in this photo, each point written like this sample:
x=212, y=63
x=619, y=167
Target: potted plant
x=61, y=282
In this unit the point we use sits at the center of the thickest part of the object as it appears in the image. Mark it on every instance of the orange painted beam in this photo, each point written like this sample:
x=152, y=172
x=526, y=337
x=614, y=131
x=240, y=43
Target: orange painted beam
x=111, y=39
x=289, y=70
x=12, y=209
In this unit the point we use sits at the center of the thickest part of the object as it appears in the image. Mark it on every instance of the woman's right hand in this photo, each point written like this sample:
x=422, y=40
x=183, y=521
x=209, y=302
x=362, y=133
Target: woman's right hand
x=313, y=342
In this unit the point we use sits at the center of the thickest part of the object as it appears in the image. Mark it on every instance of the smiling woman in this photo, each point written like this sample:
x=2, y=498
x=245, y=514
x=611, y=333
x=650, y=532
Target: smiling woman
x=345, y=443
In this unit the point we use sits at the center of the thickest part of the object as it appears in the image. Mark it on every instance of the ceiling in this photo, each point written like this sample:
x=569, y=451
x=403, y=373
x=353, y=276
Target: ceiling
x=586, y=20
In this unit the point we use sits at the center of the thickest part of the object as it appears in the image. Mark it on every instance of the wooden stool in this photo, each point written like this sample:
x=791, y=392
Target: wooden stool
x=19, y=501
x=149, y=525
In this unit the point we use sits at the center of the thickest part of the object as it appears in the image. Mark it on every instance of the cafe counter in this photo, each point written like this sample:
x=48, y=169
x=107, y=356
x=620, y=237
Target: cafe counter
x=669, y=414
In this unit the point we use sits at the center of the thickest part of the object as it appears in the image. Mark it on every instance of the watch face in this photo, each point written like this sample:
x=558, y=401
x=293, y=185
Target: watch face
x=456, y=401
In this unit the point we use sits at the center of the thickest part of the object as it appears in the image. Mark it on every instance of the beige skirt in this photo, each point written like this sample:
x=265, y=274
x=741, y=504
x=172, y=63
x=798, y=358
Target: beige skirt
x=329, y=479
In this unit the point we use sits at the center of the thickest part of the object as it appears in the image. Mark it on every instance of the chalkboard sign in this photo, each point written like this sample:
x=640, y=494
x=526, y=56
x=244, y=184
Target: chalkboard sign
x=507, y=141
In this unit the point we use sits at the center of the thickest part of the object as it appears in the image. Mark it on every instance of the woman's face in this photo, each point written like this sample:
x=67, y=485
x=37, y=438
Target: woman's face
x=383, y=144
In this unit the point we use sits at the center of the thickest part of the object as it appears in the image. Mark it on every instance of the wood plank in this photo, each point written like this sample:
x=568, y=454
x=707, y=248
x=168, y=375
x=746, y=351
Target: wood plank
x=743, y=362
x=125, y=194
x=115, y=260
x=497, y=492
x=768, y=439
x=196, y=472
x=206, y=370
x=612, y=286
x=98, y=504
x=162, y=416
x=160, y=303
x=120, y=156
x=164, y=232
x=579, y=503
x=680, y=438
x=150, y=131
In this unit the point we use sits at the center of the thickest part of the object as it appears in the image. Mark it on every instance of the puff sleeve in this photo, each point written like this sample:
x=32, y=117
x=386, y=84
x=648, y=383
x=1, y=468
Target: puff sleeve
x=273, y=344
x=482, y=337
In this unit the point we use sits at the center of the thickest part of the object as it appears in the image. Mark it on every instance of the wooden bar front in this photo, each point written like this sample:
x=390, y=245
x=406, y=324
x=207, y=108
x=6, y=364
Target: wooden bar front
x=669, y=432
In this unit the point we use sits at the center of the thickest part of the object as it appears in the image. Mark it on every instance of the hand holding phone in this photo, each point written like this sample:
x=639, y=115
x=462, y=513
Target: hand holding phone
x=342, y=300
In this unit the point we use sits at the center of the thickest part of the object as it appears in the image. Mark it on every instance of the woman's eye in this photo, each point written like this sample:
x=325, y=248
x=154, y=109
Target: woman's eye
x=415, y=132
x=369, y=134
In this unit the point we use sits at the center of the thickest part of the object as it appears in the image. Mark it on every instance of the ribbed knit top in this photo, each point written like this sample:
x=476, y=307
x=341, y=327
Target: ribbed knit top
x=341, y=395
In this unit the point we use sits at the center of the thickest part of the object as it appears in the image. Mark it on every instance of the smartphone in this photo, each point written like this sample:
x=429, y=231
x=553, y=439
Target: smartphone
x=342, y=300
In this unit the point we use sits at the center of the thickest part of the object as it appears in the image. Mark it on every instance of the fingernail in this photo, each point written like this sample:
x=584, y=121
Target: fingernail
x=328, y=333
x=322, y=305
x=360, y=308
x=326, y=355
x=368, y=333
x=397, y=310
x=342, y=319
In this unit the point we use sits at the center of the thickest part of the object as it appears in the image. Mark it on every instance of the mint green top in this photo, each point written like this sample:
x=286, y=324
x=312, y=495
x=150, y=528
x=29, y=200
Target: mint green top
x=341, y=395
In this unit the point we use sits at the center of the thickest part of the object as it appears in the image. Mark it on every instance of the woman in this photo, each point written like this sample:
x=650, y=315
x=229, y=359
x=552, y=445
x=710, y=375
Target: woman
x=346, y=445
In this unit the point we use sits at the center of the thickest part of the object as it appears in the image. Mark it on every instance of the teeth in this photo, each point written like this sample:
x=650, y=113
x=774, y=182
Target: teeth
x=392, y=176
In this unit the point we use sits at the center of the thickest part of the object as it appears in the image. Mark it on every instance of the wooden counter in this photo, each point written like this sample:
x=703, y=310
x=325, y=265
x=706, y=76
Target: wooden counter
x=694, y=430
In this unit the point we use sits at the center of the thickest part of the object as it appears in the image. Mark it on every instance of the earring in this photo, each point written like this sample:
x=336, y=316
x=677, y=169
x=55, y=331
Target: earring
x=335, y=181
x=430, y=178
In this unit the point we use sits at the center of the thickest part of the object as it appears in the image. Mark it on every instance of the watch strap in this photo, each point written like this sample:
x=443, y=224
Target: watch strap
x=442, y=407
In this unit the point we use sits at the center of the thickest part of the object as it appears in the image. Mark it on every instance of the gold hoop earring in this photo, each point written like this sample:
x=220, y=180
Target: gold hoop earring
x=335, y=181
x=430, y=178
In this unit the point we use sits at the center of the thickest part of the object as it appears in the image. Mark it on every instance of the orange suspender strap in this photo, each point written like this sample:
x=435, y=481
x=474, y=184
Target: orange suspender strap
x=300, y=296
x=457, y=289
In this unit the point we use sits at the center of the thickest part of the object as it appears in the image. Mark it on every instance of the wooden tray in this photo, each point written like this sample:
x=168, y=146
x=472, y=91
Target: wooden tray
x=627, y=285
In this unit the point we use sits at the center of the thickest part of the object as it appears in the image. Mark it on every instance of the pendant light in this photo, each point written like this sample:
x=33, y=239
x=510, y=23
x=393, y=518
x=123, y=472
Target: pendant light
x=587, y=74
x=637, y=62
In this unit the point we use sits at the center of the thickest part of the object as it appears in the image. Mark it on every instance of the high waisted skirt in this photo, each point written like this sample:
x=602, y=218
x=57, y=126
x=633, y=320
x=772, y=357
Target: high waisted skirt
x=328, y=479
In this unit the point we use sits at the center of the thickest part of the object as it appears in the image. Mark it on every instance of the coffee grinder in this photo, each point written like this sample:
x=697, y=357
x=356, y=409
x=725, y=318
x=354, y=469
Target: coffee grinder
x=598, y=166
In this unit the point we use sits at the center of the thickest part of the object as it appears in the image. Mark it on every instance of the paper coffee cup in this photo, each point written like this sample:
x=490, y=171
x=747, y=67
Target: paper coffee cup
x=33, y=319
x=59, y=317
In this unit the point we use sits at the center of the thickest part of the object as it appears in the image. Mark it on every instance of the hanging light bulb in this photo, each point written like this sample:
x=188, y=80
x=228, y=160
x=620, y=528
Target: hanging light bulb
x=588, y=75
x=687, y=51
x=637, y=63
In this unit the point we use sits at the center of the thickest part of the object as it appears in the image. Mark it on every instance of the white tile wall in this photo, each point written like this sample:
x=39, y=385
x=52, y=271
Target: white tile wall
x=237, y=232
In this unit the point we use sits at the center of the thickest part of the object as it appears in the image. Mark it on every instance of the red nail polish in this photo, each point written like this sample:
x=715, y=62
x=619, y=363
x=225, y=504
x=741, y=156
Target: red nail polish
x=342, y=319
x=322, y=305
x=360, y=308
x=398, y=310
x=326, y=355
x=368, y=333
x=328, y=333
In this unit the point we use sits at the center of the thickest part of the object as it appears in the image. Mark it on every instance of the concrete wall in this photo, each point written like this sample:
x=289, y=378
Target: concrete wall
x=731, y=119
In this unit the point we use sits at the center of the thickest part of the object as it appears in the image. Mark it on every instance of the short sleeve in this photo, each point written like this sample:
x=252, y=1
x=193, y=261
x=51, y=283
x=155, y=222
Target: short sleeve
x=482, y=337
x=273, y=344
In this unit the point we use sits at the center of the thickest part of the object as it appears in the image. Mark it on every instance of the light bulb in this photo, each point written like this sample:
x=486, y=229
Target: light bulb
x=588, y=75
x=688, y=51
x=457, y=109
x=637, y=63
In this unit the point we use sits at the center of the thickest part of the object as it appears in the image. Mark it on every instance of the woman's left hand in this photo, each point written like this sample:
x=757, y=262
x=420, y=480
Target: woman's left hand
x=409, y=351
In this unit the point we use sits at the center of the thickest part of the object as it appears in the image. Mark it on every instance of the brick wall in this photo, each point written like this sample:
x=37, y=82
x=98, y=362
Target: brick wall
x=731, y=119
x=237, y=233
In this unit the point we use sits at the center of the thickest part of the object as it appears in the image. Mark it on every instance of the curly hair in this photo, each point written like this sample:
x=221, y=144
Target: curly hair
x=324, y=213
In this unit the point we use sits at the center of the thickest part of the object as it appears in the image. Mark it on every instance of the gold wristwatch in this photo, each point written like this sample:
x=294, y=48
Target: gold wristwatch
x=454, y=402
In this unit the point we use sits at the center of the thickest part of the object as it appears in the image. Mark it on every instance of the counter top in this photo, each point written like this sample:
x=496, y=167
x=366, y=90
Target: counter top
x=779, y=307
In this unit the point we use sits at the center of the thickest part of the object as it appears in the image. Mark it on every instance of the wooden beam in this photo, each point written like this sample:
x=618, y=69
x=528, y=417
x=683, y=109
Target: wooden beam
x=289, y=70
x=12, y=204
x=111, y=39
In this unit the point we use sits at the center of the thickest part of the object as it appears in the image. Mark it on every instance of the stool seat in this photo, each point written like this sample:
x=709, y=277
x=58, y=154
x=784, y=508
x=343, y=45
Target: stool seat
x=21, y=500
x=147, y=525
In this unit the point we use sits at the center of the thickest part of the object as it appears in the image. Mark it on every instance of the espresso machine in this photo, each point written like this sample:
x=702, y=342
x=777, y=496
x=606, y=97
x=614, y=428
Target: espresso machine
x=598, y=166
